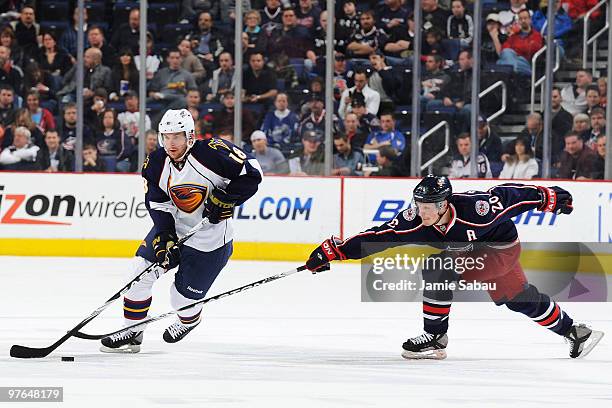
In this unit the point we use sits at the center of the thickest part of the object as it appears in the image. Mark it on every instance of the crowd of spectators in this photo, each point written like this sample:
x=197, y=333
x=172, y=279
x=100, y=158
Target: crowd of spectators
x=190, y=64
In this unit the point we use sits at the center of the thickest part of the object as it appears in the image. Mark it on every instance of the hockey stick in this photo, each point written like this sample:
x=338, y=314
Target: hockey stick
x=199, y=302
x=18, y=351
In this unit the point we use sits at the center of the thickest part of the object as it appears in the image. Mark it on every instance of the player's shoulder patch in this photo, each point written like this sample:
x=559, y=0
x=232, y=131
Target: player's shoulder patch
x=409, y=214
x=482, y=207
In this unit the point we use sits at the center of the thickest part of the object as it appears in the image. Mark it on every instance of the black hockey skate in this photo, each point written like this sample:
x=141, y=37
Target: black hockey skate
x=177, y=331
x=426, y=346
x=127, y=341
x=582, y=340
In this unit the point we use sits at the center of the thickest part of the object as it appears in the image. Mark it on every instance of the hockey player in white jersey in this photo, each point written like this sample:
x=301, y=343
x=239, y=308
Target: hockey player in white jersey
x=184, y=182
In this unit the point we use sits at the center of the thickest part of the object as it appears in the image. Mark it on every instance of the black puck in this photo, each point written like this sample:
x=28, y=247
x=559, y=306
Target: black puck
x=67, y=358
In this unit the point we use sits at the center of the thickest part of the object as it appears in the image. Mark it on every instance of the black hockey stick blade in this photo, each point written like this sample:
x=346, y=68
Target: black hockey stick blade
x=30, y=352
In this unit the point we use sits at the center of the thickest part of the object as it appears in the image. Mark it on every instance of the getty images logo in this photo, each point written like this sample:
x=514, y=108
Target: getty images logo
x=34, y=206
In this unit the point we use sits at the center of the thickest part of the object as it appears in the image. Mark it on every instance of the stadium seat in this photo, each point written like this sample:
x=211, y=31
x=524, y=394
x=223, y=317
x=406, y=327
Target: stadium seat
x=96, y=11
x=280, y=85
x=54, y=10
x=210, y=107
x=256, y=108
x=57, y=26
x=172, y=32
x=121, y=12
x=163, y=13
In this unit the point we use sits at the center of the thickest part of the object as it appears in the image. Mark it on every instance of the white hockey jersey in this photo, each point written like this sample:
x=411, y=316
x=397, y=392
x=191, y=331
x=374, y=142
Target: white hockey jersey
x=175, y=196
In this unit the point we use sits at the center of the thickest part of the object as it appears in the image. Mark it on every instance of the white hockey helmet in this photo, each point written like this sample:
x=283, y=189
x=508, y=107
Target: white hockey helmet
x=175, y=121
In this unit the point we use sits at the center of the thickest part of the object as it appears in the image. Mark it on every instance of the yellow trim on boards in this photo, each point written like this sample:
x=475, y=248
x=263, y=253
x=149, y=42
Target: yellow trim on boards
x=275, y=251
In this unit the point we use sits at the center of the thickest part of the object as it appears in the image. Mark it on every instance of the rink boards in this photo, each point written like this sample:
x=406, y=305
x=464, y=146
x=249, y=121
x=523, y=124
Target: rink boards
x=104, y=214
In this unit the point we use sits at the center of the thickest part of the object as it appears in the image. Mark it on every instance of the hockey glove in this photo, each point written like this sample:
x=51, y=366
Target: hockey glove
x=555, y=199
x=218, y=207
x=167, y=252
x=326, y=252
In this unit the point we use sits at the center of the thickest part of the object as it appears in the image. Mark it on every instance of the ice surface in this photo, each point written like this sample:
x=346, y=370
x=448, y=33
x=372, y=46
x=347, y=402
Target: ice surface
x=303, y=341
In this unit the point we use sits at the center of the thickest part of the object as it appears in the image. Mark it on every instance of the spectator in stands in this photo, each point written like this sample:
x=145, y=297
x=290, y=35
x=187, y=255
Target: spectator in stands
x=8, y=39
x=128, y=34
x=129, y=121
x=533, y=133
x=224, y=119
x=492, y=40
x=91, y=162
x=391, y=15
x=37, y=79
x=461, y=167
x=23, y=119
x=581, y=126
x=343, y=78
x=223, y=78
x=489, y=144
x=258, y=40
x=602, y=84
x=271, y=16
x=592, y=98
x=68, y=128
x=520, y=46
x=510, y=18
x=41, y=117
x=152, y=61
x=21, y=154
x=193, y=103
x=367, y=39
x=435, y=45
x=460, y=25
x=281, y=125
x=347, y=22
x=384, y=80
x=95, y=35
x=226, y=134
x=151, y=141
x=386, y=159
x=54, y=158
x=433, y=81
x=577, y=160
x=317, y=53
x=398, y=48
x=113, y=145
x=308, y=160
x=563, y=24
x=290, y=39
x=10, y=74
x=170, y=85
x=457, y=92
x=96, y=76
x=598, y=127
x=361, y=88
x=191, y=63
x=208, y=42
x=53, y=58
x=387, y=135
x=600, y=161
x=270, y=159
x=192, y=8
x=68, y=40
x=124, y=75
x=368, y=122
x=433, y=15
x=347, y=161
x=562, y=120
x=259, y=82
x=7, y=107
x=308, y=15
x=574, y=96
x=27, y=31
x=521, y=164
x=352, y=131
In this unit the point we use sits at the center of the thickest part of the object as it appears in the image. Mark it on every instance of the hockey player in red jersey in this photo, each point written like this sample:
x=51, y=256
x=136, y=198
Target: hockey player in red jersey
x=475, y=222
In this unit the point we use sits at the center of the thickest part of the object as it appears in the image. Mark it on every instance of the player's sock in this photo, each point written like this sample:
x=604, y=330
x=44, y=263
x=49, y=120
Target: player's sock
x=426, y=346
x=541, y=309
x=134, y=310
x=435, y=315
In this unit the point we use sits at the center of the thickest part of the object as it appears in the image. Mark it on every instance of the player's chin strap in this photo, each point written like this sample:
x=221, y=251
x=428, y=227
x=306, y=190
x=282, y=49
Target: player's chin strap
x=442, y=215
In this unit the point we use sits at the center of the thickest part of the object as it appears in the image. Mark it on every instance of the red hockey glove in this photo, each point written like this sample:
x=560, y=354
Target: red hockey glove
x=326, y=252
x=555, y=199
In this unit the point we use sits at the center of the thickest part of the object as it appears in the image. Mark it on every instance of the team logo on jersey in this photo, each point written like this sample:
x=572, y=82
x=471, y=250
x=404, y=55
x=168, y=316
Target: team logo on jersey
x=410, y=214
x=482, y=208
x=188, y=197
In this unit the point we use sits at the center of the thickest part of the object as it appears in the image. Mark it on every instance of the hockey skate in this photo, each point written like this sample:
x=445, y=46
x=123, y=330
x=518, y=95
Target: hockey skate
x=582, y=340
x=177, y=331
x=127, y=341
x=426, y=346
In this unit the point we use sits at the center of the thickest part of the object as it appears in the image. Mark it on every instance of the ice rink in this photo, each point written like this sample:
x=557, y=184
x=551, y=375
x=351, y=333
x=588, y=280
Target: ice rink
x=303, y=341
